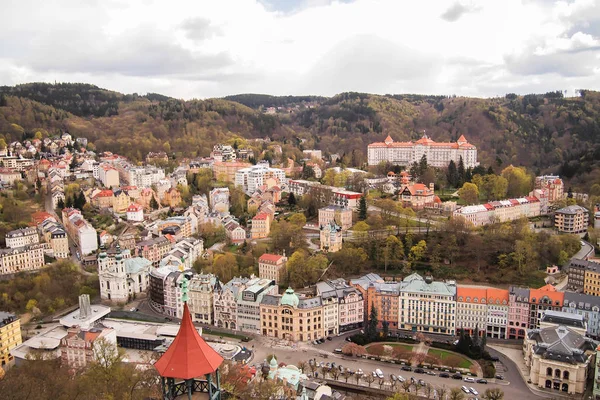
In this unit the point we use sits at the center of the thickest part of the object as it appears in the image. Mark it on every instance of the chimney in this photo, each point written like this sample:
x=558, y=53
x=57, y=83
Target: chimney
x=432, y=186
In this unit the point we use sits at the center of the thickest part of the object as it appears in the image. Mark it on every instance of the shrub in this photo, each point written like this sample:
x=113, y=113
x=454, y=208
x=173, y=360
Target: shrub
x=352, y=349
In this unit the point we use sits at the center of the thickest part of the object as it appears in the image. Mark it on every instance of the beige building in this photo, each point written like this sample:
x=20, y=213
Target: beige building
x=572, y=219
x=292, y=317
x=10, y=336
x=79, y=348
x=427, y=305
x=200, y=292
x=109, y=176
x=225, y=171
x=261, y=225
x=120, y=201
x=331, y=237
x=272, y=267
x=27, y=258
x=558, y=356
x=471, y=309
x=417, y=196
x=22, y=237
x=339, y=215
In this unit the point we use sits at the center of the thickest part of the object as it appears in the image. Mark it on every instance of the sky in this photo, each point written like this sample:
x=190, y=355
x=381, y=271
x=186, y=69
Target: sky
x=200, y=48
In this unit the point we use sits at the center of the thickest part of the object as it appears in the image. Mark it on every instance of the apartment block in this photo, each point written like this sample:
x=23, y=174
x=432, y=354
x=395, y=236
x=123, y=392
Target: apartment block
x=10, y=336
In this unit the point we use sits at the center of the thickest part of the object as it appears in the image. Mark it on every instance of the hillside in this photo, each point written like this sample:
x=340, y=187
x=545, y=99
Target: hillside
x=547, y=133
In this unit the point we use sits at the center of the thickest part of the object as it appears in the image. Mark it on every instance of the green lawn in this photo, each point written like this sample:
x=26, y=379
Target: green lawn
x=443, y=355
x=403, y=346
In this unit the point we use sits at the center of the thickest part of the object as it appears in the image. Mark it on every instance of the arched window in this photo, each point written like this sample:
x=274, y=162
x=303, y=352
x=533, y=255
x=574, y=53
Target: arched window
x=549, y=371
x=565, y=374
x=557, y=373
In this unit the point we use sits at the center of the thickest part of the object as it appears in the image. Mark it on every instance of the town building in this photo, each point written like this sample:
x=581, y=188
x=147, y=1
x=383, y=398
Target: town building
x=261, y=226
x=79, y=348
x=417, y=196
x=10, y=336
x=234, y=232
x=552, y=185
x=471, y=309
x=291, y=317
x=591, y=279
x=438, y=154
x=153, y=249
x=121, y=276
x=572, y=219
x=223, y=152
x=558, y=357
x=108, y=175
x=385, y=298
x=587, y=306
x=349, y=303
x=272, y=267
x=219, y=200
x=312, y=154
x=497, y=313
x=225, y=302
x=81, y=231
x=252, y=178
x=546, y=298
x=143, y=177
x=121, y=201
x=26, y=258
x=427, y=305
x=362, y=285
x=500, y=211
x=158, y=157
x=172, y=198
x=225, y=171
x=248, y=303
x=55, y=234
x=102, y=198
x=339, y=215
x=518, y=312
x=577, y=272
x=22, y=237
x=135, y=213
x=8, y=176
x=201, y=288
x=331, y=236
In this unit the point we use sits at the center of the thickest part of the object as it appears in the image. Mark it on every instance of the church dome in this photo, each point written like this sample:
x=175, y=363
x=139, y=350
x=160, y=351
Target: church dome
x=289, y=298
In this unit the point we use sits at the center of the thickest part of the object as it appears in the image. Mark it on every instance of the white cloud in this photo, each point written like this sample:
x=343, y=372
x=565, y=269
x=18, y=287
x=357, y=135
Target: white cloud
x=204, y=48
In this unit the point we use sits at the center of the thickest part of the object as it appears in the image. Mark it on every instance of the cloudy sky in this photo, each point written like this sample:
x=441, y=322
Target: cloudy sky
x=208, y=48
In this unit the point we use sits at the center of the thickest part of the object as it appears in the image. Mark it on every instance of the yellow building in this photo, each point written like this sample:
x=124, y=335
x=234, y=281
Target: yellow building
x=10, y=335
x=225, y=171
x=261, y=226
x=291, y=317
x=120, y=201
x=591, y=281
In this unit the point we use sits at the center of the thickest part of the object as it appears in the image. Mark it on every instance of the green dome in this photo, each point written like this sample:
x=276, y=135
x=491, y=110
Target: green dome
x=289, y=298
x=273, y=363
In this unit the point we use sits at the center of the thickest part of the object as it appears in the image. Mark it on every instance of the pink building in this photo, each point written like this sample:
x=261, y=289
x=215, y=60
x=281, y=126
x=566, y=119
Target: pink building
x=518, y=312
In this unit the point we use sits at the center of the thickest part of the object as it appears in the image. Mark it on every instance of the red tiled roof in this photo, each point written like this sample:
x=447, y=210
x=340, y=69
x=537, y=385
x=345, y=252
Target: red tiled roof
x=104, y=193
x=471, y=293
x=189, y=356
x=261, y=216
x=270, y=258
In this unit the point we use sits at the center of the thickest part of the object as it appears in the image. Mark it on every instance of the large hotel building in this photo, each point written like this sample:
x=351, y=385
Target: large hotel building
x=438, y=154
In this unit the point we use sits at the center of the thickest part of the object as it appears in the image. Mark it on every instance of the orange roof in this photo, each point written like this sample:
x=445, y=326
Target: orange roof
x=472, y=293
x=189, y=356
x=549, y=291
x=104, y=193
x=494, y=294
x=40, y=216
x=269, y=258
x=261, y=216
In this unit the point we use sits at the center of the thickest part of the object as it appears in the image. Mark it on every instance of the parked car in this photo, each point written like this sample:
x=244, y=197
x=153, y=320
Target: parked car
x=475, y=392
x=359, y=372
x=379, y=373
x=465, y=389
x=430, y=373
x=329, y=338
x=482, y=381
x=494, y=358
x=393, y=378
x=500, y=377
x=337, y=351
x=400, y=378
x=406, y=368
x=421, y=382
x=444, y=375
x=457, y=376
x=348, y=339
x=333, y=365
x=419, y=371
x=374, y=374
x=469, y=379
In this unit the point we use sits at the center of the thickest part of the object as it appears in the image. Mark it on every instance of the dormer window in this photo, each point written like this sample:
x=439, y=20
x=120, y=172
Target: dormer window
x=533, y=300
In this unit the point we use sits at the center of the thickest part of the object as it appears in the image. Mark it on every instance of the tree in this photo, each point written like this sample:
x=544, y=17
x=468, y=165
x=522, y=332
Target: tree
x=417, y=252
x=153, y=203
x=371, y=329
x=298, y=219
x=456, y=394
x=291, y=199
x=469, y=193
x=370, y=379
x=460, y=171
x=385, y=331
x=346, y=375
x=519, y=181
x=353, y=349
x=349, y=260
x=362, y=208
x=569, y=193
x=422, y=165
x=493, y=394
x=406, y=385
x=225, y=266
x=304, y=270
x=452, y=174
x=308, y=172
x=60, y=204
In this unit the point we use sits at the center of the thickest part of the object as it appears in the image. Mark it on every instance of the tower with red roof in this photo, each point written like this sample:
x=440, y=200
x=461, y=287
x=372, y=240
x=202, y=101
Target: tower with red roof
x=187, y=360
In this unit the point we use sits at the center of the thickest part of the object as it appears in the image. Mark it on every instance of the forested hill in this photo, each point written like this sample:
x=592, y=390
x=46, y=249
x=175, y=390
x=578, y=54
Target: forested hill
x=547, y=133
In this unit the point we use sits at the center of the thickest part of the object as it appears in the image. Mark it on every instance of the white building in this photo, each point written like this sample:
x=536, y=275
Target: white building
x=438, y=154
x=144, y=177
x=349, y=304
x=219, y=200
x=26, y=258
x=135, y=213
x=108, y=175
x=272, y=267
x=22, y=237
x=252, y=178
x=121, y=276
x=81, y=231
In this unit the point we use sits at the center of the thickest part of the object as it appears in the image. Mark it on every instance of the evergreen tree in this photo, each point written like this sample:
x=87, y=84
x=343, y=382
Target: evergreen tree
x=153, y=203
x=61, y=204
x=386, y=328
x=570, y=193
x=371, y=330
x=469, y=174
x=73, y=163
x=414, y=171
x=3, y=102
x=460, y=169
x=490, y=171
x=291, y=199
x=423, y=165
x=362, y=208
x=69, y=202
x=452, y=175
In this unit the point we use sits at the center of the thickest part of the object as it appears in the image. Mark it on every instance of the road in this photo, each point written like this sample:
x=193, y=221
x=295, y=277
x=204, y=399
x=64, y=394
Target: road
x=513, y=385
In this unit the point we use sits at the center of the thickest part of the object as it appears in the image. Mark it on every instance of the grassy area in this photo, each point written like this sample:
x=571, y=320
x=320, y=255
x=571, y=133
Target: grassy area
x=377, y=348
x=443, y=355
x=212, y=332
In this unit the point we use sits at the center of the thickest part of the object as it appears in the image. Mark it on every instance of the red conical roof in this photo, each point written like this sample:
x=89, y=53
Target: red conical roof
x=189, y=356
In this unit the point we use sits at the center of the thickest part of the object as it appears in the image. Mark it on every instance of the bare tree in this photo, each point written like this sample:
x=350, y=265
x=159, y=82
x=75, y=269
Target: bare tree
x=406, y=385
x=357, y=377
x=303, y=365
x=428, y=390
x=335, y=373
x=313, y=367
x=370, y=379
x=441, y=393
x=346, y=375
x=493, y=394
x=456, y=394
x=381, y=382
